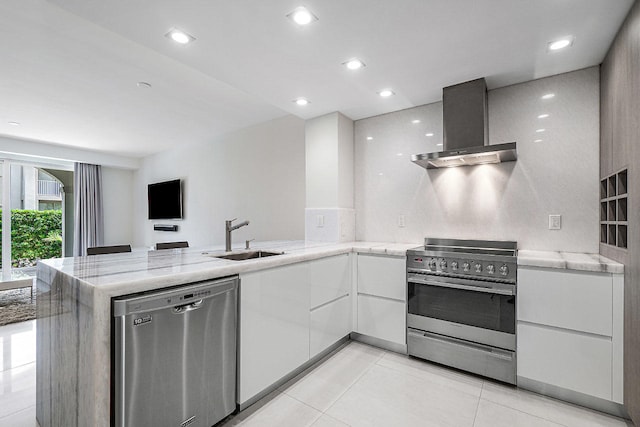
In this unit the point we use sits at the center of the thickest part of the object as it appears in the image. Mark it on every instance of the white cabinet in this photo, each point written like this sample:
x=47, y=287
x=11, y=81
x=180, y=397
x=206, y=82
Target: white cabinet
x=330, y=302
x=382, y=318
x=570, y=330
x=288, y=315
x=329, y=279
x=569, y=360
x=382, y=288
x=569, y=299
x=329, y=323
x=274, y=326
x=382, y=276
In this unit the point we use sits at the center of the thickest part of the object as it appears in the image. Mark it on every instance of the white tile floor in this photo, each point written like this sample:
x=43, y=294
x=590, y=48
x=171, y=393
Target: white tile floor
x=366, y=386
x=18, y=374
x=357, y=386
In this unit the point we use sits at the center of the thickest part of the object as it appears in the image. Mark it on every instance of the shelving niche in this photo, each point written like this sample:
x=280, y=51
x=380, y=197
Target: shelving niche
x=613, y=210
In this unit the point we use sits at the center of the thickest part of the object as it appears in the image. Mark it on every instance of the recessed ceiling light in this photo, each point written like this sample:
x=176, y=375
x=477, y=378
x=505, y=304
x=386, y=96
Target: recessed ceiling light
x=179, y=36
x=380, y=173
x=399, y=154
x=302, y=16
x=439, y=145
x=560, y=44
x=428, y=134
x=543, y=116
x=369, y=138
x=540, y=130
x=144, y=85
x=385, y=93
x=548, y=96
x=538, y=140
x=14, y=123
x=301, y=101
x=354, y=64
x=416, y=121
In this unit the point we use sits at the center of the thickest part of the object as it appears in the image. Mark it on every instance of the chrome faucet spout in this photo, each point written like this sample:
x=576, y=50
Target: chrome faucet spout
x=228, y=229
x=242, y=224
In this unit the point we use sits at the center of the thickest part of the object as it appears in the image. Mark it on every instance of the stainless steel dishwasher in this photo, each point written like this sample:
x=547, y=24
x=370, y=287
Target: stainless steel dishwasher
x=174, y=355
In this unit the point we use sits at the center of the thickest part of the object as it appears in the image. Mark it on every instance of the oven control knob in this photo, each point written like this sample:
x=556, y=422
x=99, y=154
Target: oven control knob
x=433, y=264
x=454, y=265
x=491, y=269
x=504, y=270
x=443, y=265
x=478, y=267
x=466, y=266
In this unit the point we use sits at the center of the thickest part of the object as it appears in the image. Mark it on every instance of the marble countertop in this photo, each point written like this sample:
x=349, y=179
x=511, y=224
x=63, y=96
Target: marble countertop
x=569, y=260
x=142, y=269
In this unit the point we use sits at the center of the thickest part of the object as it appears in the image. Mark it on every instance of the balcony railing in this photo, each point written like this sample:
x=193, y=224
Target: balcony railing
x=48, y=188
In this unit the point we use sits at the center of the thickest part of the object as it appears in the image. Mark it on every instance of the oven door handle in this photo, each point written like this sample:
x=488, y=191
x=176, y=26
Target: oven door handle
x=487, y=289
x=488, y=350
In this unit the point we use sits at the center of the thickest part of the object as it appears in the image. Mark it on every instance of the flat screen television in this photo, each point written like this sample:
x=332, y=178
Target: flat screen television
x=165, y=200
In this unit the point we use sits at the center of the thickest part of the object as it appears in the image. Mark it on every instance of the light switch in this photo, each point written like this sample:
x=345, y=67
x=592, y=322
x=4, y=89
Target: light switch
x=401, y=222
x=555, y=222
x=319, y=220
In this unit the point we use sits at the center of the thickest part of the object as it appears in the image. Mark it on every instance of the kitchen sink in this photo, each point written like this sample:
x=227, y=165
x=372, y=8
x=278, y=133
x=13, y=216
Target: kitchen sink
x=243, y=256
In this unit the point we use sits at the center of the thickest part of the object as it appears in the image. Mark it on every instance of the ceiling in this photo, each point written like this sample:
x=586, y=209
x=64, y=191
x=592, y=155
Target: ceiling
x=70, y=68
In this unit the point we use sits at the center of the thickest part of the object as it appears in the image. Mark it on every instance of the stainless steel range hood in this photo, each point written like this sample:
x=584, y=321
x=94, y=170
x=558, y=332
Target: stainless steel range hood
x=466, y=133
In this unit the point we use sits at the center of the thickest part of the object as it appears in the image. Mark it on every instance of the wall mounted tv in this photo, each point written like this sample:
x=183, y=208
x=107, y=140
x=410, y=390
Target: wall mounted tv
x=165, y=200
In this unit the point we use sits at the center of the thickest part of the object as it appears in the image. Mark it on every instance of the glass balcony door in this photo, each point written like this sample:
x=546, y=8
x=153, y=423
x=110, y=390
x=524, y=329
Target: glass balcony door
x=31, y=226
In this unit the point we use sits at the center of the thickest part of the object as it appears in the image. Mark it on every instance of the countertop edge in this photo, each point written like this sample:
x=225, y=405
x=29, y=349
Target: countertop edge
x=589, y=262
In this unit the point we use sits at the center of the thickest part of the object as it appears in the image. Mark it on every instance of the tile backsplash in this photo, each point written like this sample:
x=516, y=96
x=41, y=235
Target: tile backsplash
x=557, y=171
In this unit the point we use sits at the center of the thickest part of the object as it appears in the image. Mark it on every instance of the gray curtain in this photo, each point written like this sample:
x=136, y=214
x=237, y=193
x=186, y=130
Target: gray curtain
x=89, y=217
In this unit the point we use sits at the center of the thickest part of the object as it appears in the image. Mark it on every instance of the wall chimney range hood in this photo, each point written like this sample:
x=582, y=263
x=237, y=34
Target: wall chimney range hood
x=466, y=133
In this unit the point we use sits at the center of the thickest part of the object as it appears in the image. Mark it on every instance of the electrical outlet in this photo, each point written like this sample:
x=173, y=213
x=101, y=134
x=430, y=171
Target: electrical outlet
x=555, y=222
x=401, y=222
x=319, y=220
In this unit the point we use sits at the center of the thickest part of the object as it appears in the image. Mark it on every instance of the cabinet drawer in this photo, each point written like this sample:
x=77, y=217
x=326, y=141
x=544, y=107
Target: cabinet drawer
x=328, y=324
x=328, y=278
x=382, y=318
x=565, y=359
x=382, y=276
x=581, y=301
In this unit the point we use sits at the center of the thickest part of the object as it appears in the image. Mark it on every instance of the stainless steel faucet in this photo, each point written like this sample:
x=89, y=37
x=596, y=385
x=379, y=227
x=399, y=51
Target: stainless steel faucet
x=228, y=229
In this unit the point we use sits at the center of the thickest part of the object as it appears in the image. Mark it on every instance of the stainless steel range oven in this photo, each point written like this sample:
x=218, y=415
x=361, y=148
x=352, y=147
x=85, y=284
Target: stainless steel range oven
x=462, y=305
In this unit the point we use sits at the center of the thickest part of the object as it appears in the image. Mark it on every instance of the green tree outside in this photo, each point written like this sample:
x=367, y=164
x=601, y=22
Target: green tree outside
x=34, y=235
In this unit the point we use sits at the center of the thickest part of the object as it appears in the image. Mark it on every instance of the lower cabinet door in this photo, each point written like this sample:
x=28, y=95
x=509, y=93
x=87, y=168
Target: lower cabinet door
x=274, y=327
x=565, y=359
x=382, y=318
x=329, y=323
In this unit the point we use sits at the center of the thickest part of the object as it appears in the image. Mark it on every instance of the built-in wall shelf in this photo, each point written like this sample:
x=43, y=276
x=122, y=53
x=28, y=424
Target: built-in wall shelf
x=613, y=210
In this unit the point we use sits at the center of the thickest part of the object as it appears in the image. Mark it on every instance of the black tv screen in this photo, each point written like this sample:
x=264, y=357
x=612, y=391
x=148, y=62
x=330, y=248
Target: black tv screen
x=165, y=200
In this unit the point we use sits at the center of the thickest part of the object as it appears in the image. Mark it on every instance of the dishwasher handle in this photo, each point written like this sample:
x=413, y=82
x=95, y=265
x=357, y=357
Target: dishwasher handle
x=180, y=309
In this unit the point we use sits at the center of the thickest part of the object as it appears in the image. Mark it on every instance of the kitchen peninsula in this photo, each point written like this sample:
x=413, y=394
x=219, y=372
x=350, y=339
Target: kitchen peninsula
x=73, y=365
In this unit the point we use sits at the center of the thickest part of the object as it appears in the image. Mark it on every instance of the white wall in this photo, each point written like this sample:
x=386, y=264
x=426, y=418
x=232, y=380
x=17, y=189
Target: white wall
x=510, y=201
x=330, y=214
x=256, y=174
x=321, y=141
x=117, y=200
